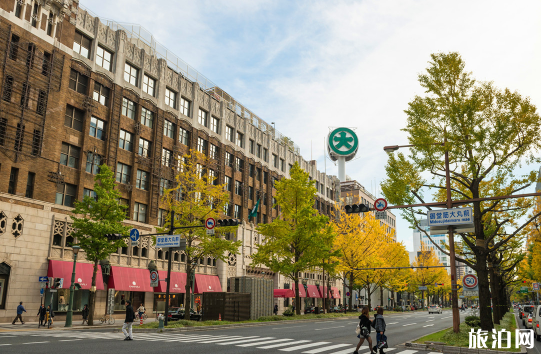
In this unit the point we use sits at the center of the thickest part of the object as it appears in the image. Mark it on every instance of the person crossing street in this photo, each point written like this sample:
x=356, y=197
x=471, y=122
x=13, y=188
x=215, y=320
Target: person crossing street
x=127, y=326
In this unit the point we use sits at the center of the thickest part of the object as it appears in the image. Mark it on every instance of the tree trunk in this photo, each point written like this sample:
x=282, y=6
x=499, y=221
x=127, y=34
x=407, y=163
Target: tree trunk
x=495, y=295
x=92, y=298
x=297, y=298
x=369, y=296
x=381, y=296
x=351, y=291
x=484, y=292
x=188, y=296
x=328, y=294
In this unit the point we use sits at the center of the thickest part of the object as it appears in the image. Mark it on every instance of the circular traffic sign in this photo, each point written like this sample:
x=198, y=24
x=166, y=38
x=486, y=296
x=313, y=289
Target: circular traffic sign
x=210, y=223
x=154, y=275
x=134, y=235
x=469, y=281
x=380, y=204
x=343, y=142
x=347, y=294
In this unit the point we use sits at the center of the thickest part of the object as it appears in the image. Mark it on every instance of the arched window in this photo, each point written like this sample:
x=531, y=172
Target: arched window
x=4, y=279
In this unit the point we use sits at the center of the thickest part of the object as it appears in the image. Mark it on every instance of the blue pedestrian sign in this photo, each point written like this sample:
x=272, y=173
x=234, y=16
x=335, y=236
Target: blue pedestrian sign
x=134, y=235
x=43, y=279
x=41, y=291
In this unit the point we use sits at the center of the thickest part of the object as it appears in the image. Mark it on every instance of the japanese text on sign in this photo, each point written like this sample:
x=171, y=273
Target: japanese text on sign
x=168, y=241
x=456, y=216
x=500, y=339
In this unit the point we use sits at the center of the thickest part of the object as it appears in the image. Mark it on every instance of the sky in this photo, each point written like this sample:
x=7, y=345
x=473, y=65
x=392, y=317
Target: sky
x=312, y=65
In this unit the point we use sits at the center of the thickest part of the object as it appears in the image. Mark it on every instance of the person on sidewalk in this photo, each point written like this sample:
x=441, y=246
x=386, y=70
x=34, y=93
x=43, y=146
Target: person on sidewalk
x=130, y=317
x=20, y=310
x=379, y=326
x=41, y=314
x=51, y=314
x=365, y=324
x=141, y=310
x=275, y=310
x=85, y=314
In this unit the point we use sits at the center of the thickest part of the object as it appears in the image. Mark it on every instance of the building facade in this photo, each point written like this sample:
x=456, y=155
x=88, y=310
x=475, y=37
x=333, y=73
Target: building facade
x=78, y=92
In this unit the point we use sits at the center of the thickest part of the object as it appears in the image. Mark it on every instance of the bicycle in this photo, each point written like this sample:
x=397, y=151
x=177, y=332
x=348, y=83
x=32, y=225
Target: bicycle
x=48, y=320
x=107, y=318
x=145, y=317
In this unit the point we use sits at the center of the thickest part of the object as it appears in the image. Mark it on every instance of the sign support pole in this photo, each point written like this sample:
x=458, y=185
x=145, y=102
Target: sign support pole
x=168, y=280
x=342, y=168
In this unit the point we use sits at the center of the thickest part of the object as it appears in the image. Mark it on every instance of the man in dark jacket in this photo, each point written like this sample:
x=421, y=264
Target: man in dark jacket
x=130, y=317
x=41, y=313
x=20, y=310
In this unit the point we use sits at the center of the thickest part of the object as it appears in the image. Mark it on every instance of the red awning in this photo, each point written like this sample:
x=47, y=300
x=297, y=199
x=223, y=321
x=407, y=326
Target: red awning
x=130, y=279
x=207, y=283
x=83, y=274
x=284, y=293
x=302, y=292
x=335, y=293
x=177, y=285
x=323, y=292
x=313, y=291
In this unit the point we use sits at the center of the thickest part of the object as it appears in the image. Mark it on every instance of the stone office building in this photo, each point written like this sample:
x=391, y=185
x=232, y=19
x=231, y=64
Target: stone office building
x=76, y=93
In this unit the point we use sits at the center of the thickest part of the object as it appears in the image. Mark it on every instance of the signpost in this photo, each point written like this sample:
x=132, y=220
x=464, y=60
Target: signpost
x=134, y=237
x=422, y=288
x=471, y=285
x=210, y=224
x=460, y=218
x=380, y=204
x=342, y=145
x=171, y=241
x=154, y=278
x=535, y=286
x=381, y=215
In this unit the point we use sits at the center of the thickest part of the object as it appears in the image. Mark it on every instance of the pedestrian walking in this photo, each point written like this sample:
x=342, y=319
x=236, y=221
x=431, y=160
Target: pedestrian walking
x=141, y=310
x=85, y=314
x=42, y=311
x=127, y=326
x=275, y=310
x=20, y=310
x=364, y=324
x=379, y=326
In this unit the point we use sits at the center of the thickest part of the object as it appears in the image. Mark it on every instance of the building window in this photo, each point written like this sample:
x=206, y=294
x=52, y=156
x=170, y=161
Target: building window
x=201, y=145
x=30, y=185
x=90, y=193
x=238, y=212
x=215, y=125
x=162, y=214
x=8, y=89
x=227, y=209
x=265, y=177
x=25, y=95
x=103, y=58
x=258, y=151
x=69, y=155
x=229, y=133
x=213, y=152
x=97, y=127
x=240, y=140
x=66, y=194
x=170, y=98
x=46, y=64
x=166, y=157
x=19, y=137
x=35, y=15
x=238, y=188
x=228, y=159
x=130, y=74
x=101, y=94
x=147, y=117
x=125, y=140
x=275, y=160
x=123, y=173
x=239, y=164
x=3, y=128
x=82, y=44
x=202, y=118
x=14, y=47
x=78, y=82
x=251, y=170
x=169, y=129
x=30, y=55
x=144, y=147
x=93, y=162
x=128, y=108
x=141, y=181
x=74, y=118
x=212, y=177
x=139, y=212
x=251, y=193
x=266, y=154
x=148, y=85
x=252, y=147
x=282, y=165
x=36, y=142
x=50, y=24
x=228, y=184
x=183, y=136
x=13, y=178
x=185, y=106
x=18, y=13
x=42, y=103
x=164, y=185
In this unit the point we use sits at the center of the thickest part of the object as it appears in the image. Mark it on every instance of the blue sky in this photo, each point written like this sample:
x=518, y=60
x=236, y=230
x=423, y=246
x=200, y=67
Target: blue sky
x=310, y=65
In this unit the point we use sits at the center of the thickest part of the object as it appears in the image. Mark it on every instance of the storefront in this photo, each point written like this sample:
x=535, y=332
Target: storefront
x=129, y=284
x=177, y=291
x=332, y=294
x=59, y=299
x=313, y=292
x=205, y=283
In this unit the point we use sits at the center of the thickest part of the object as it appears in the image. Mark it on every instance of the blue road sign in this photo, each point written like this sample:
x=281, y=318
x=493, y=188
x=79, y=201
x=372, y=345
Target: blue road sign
x=43, y=279
x=41, y=291
x=134, y=235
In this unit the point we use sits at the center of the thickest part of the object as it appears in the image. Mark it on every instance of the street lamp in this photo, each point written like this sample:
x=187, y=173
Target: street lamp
x=69, y=316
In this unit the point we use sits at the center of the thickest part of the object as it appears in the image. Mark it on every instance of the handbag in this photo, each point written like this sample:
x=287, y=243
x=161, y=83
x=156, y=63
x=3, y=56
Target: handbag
x=358, y=330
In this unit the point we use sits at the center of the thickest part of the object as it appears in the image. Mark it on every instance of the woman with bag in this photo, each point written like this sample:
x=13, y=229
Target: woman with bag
x=363, y=330
x=379, y=326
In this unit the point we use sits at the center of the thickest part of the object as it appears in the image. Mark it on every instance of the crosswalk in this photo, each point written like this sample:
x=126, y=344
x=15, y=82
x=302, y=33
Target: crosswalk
x=286, y=345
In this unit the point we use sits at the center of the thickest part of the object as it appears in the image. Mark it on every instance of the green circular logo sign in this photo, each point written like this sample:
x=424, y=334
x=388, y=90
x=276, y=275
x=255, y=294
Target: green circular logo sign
x=343, y=142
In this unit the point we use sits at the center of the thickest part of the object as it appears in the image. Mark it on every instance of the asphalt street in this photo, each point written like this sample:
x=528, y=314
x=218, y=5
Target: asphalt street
x=336, y=336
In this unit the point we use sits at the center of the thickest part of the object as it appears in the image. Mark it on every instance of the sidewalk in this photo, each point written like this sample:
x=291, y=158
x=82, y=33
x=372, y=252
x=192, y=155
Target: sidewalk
x=58, y=325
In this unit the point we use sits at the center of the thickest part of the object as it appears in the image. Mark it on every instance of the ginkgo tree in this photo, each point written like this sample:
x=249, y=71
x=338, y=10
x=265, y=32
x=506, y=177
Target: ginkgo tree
x=428, y=277
x=194, y=198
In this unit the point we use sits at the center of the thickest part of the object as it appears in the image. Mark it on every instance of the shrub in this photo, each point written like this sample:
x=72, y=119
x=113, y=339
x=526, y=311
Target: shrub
x=473, y=321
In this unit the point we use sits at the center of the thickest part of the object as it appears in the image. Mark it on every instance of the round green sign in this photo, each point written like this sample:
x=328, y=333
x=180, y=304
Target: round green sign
x=343, y=141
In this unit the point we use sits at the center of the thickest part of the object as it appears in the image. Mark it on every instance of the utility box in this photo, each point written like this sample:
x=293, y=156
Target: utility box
x=262, y=291
x=226, y=306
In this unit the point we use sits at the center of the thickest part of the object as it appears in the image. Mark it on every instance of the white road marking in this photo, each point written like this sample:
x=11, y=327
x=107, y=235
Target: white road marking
x=393, y=323
x=319, y=350
x=407, y=352
x=429, y=325
x=69, y=340
x=292, y=327
x=4, y=344
x=265, y=342
x=228, y=339
x=36, y=342
x=409, y=324
x=282, y=344
x=347, y=351
x=429, y=320
x=304, y=346
x=321, y=329
x=245, y=340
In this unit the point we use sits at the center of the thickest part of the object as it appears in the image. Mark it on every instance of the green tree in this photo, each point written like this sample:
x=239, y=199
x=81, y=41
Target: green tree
x=300, y=237
x=93, y=219
x=196, y=197
x=488, y=132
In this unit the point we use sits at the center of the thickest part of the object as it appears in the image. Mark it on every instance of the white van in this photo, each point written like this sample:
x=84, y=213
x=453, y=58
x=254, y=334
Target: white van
x=536, y=322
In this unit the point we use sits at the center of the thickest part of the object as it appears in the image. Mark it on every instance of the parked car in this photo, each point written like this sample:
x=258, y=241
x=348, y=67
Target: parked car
x=434, y=309
x=309, y=309
x=337, y=309
x=529, y=321
x=177, y=313
x=536, y=322
x=527, y=309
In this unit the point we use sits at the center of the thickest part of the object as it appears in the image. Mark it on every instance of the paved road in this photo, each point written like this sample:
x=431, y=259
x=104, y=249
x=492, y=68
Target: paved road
x=537, y=346
x=336, y=336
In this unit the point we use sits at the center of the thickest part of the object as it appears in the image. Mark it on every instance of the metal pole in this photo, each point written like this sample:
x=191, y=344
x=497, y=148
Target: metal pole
x=342, y=168
x=454, y=289
x=69, y=316
x=168, y=280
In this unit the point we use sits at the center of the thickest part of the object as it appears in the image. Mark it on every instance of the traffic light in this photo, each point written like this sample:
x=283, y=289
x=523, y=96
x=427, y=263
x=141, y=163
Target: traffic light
x=524, y=281
x=228, y=222
x=113, y=237
x=356, y=208
x=56, y=283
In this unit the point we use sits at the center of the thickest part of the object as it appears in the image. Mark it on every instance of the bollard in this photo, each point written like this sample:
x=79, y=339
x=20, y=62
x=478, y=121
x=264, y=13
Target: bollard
x=160, y=322
x=219, y=317
x=140, y=320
